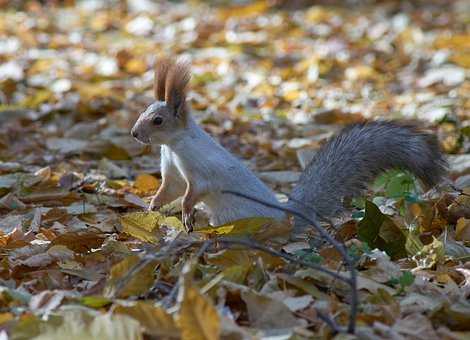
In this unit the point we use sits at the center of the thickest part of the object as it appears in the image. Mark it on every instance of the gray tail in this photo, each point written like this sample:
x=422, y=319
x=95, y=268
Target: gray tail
x=351, y=160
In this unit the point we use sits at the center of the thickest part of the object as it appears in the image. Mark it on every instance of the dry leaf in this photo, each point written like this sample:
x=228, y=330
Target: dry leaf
x=198, y=318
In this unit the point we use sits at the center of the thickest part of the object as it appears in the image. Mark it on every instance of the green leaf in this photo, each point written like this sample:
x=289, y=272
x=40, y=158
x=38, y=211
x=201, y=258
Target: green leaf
x=379, y=231
x=309, y=256
x=95, y=301
x=396, y=184
x=406, y=279
x=413, y=244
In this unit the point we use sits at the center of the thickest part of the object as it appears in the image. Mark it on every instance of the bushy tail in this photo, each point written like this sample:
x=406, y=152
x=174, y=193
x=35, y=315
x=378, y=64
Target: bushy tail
x=348, y=162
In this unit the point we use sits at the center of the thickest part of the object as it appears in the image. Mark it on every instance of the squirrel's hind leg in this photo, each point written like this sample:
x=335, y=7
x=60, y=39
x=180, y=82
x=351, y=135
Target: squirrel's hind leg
x=190, y=199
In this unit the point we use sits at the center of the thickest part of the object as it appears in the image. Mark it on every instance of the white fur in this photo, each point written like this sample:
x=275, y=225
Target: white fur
x=195, y=157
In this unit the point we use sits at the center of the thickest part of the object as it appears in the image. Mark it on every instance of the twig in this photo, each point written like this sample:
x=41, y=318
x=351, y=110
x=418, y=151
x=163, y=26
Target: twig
x=329, y=321
x=130, y=274
x=168, y=300
x=203, y=249
x=253, y=245
x=339, y=247
x=145, y=260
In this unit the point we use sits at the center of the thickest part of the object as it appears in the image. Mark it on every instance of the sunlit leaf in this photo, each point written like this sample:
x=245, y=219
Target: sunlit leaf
x=145, y=225
x=78, y=325
x=198, y=317
x=247, y=226
x=430, y=255
x=137, y=284
x=146, y=183
x=155, y=320
x=95, y=301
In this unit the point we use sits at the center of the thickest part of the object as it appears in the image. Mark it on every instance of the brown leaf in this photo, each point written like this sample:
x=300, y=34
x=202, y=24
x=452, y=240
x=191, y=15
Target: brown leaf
x=138, y=284
x=155, y=320
x=198, y=318
x=80, y=241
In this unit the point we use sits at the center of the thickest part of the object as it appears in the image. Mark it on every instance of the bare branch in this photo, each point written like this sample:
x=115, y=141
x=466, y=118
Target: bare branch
x=254, y=245
x=338, y=246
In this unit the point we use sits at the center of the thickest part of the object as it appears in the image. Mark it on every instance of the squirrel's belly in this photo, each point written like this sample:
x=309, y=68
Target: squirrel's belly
x=229, y=208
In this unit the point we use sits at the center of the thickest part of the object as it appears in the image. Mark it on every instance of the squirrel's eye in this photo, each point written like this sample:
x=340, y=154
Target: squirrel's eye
x=158, y=120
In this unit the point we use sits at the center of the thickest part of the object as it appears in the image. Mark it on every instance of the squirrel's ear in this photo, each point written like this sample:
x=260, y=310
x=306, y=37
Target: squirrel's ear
x=176, y=86
x=162, y=67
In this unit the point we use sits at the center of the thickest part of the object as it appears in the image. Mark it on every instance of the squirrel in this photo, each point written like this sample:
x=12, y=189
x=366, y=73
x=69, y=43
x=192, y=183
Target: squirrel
x=196, y=167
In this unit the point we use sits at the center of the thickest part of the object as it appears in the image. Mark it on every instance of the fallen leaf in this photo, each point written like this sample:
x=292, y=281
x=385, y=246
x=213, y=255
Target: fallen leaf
x=146, y=183
x=155, y=320
x=267, y=313
x=198, y=318
x=138, y=284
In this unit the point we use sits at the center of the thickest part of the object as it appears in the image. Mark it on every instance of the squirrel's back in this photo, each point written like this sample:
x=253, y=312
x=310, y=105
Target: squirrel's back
x=351, y=160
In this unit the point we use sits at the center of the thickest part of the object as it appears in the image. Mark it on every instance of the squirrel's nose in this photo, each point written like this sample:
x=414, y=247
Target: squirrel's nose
x=134, y=133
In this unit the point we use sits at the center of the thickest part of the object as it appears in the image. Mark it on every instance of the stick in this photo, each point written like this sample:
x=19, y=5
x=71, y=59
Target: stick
x=339, y=247
x=290, y=258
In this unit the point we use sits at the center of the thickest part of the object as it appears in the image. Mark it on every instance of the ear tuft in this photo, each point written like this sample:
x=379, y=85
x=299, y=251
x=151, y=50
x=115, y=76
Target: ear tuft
x=176, y=84
x=162, y=67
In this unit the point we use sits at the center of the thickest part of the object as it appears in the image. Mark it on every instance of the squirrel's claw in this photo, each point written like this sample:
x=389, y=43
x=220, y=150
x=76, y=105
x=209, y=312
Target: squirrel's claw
x=188, y=221
x=153, y=205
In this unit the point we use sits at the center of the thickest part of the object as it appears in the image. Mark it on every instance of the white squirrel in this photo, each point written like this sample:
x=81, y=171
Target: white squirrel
x=195, y=166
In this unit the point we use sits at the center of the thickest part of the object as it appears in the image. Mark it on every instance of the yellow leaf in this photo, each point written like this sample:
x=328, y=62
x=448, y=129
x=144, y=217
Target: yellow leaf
x=246, y=226
x=145, y=225
x=317, y=14
x=142, y=225
x=39, y=97
x=456, y=42
x=292, y=95
x=173, y=222
x=229, y=257
x=462, y=229
x=234, y=264
x=140, y=282
x=244, y=11
x=461, y=59
x=360, y=72
x=198, y=319
x=430, y=255
x=146, y=183
x=155, y=320
x=222, y=230
x=136, y=66
x=235, y=274
x=5, y=317
x=79, y=324
x=115, y=153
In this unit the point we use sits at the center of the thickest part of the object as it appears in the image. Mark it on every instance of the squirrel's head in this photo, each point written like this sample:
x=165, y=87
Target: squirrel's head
x=163, y=119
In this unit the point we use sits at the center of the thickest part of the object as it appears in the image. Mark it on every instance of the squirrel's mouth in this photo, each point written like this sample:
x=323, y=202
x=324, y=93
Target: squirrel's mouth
x=143, y=141
x=139, y=137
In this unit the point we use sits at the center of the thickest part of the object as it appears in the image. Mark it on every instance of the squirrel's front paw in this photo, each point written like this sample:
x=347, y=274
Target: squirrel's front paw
x=189, y=220
x=153, y=205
